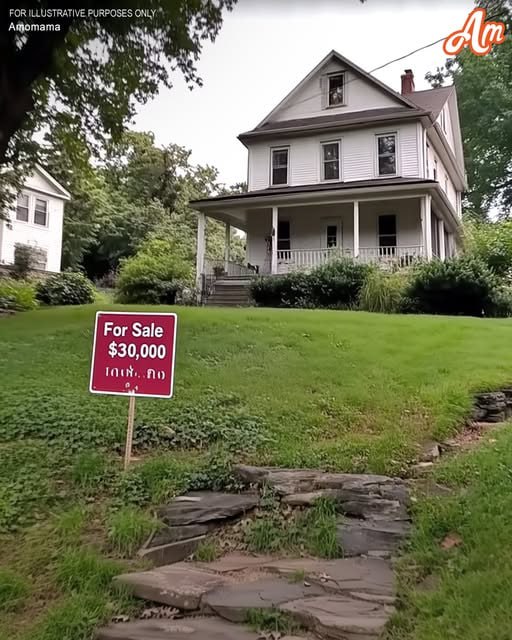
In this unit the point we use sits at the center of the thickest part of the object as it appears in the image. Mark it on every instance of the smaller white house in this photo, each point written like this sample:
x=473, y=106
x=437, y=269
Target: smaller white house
x=36, y=219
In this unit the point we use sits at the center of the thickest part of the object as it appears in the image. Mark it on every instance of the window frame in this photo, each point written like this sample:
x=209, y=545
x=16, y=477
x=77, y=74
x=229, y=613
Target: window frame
x=386, y=134
x=436, y=168
x=328, y=77
x=336, y=235
x=47, y=203
x=323, y=143
x=387, y=235
x=27, y=195
x=271, y=177
x=288, y=239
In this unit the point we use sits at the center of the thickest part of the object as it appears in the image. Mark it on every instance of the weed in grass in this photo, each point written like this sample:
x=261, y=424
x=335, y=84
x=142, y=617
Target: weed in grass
x=69, y=524
x=13, y=590
x=207, y=551
x=84, y=570
x=271, y=620
x=91, y=471
x=319, y=526
x=128, y=528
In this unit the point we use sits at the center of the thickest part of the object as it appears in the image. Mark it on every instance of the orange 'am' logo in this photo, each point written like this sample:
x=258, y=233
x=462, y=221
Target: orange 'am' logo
x=476, y=33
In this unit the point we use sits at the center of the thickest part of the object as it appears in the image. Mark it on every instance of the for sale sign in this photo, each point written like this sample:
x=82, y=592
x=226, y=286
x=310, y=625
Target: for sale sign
x=133, y=354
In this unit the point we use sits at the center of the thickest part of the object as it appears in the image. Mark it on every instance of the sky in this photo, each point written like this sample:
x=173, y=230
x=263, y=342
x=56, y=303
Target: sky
x=265, y=47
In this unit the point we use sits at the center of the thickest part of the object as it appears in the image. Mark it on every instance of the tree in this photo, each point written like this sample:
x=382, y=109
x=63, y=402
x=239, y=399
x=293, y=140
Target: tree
x=93, y=65
x=484, y=91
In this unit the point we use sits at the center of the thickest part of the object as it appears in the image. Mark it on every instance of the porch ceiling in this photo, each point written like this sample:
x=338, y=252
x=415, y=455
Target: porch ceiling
x=235, y=209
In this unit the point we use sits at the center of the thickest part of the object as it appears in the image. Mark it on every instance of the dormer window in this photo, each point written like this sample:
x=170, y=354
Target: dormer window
x=280, y=166
x=336, y=90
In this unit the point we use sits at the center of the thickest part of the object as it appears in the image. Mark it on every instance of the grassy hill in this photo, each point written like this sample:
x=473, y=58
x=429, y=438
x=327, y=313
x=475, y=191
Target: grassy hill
x=340, y=391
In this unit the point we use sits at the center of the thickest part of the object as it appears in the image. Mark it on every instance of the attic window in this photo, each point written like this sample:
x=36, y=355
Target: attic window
x=336, y=90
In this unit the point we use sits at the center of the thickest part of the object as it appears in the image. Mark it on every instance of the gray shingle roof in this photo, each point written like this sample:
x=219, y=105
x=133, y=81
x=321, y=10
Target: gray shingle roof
x=431, y=100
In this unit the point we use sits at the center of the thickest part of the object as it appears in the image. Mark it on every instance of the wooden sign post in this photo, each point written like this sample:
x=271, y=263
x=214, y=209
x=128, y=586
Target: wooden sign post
x=133, y=355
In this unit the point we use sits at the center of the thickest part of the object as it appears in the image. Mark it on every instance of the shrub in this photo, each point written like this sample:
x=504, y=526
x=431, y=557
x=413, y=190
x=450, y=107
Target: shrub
x=25, y=258
x=333, y=285
x=17, y=295
x=383, y=292
x=65, y=289
x=459, y=286
x=155, y=275
x=490, y=242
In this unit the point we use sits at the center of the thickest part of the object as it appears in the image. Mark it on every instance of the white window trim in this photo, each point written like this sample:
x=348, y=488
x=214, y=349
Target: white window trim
x=288, y=166
x=327, y=77
x=382, y=134
x=322, y=172
x=32, y=197
x=22, y=193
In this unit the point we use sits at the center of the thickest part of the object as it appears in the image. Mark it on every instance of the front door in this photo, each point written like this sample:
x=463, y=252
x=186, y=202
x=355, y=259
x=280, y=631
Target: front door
x=332, y=235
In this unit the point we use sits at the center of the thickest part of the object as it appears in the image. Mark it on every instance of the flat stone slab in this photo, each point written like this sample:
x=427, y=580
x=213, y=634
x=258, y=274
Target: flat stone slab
x=339, y=617
x=360, y=495
x=359, y=537
x=184, y=629
x=206, y=506
x=166, y=535
x=172, y=552
x=178, y=585
x=233, y=562
x=346, y=575
x=233, y=602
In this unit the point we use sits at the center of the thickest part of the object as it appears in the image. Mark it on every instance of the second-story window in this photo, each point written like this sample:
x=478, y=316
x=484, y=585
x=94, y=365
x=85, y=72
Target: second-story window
x=336, y=90
x=41, y=212
x=331, y=160
x=22, y=207
x=279, y=166
x=386, y=150
x=435, y=168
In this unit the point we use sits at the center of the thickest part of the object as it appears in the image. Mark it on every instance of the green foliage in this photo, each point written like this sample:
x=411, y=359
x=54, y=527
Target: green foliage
x=91, y=470
x=17, y=295
x=65, y=288
x=334, y=285
x=128, y=528
x=24, y=260
x=272, y=622
x=154, y=275
x=13, y=590
x=459, y=286
x=383, y=292
x=207, y=551
x=312, y=530
x=491, y=243
x=83, y=569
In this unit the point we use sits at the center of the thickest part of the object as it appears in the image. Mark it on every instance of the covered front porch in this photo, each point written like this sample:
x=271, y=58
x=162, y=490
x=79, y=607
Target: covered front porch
x=389, y=229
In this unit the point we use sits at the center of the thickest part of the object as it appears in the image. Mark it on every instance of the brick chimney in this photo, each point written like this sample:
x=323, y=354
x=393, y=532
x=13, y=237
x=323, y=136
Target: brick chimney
x=407, y=82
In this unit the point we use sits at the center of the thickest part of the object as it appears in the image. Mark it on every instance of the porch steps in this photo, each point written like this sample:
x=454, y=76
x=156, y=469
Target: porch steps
x=230, y=293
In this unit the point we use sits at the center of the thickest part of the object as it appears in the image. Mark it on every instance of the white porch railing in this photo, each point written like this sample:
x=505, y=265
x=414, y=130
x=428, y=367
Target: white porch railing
x=219, y=268
x=401, y=256
x=304, y=259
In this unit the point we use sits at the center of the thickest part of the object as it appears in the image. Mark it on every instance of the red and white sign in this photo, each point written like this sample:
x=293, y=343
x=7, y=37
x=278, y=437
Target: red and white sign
x=133, y=354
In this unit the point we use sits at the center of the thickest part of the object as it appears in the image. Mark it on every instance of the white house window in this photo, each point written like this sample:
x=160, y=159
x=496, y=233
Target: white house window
x=332, y=236
x=445, y=183
x=41, y=212
x=330, y=160
x=336, y=84
x=443, y=120
x=387, y=235
x=435, y=168
x=283, y=235
x=22, y=207
x=386, y=149
x=279, y=166
x=427, y=160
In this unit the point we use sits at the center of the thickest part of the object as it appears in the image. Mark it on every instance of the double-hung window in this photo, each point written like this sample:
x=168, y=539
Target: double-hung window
x=331, y=160
x=280, y=166
x=22, y=206
x=41, y=212
x=386, y=154
x=336, y=90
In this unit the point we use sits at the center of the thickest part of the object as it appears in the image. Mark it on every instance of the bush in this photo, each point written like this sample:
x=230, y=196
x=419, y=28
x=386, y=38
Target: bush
x=155, y=275
x=459, y=286
x=64, y=289
x=333, y=285
x=383, y=292
x=17, y=295
x=491, y=242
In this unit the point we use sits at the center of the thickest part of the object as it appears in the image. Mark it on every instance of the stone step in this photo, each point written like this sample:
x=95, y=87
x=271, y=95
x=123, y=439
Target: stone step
x=184, y=629
x=371, y=537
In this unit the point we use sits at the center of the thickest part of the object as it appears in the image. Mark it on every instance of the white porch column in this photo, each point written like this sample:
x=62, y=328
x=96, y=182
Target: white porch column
x=440, y=233
x=201, y=226
x=426, y=225
x=273, y=265
x=227, y=247
x=356, y=228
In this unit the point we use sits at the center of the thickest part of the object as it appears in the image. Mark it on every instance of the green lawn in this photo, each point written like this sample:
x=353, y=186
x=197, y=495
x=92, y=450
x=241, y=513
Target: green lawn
x=344, y=391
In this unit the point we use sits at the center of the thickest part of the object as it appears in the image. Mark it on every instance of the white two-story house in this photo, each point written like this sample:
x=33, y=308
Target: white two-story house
x=345, y=166
x=35, y=220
